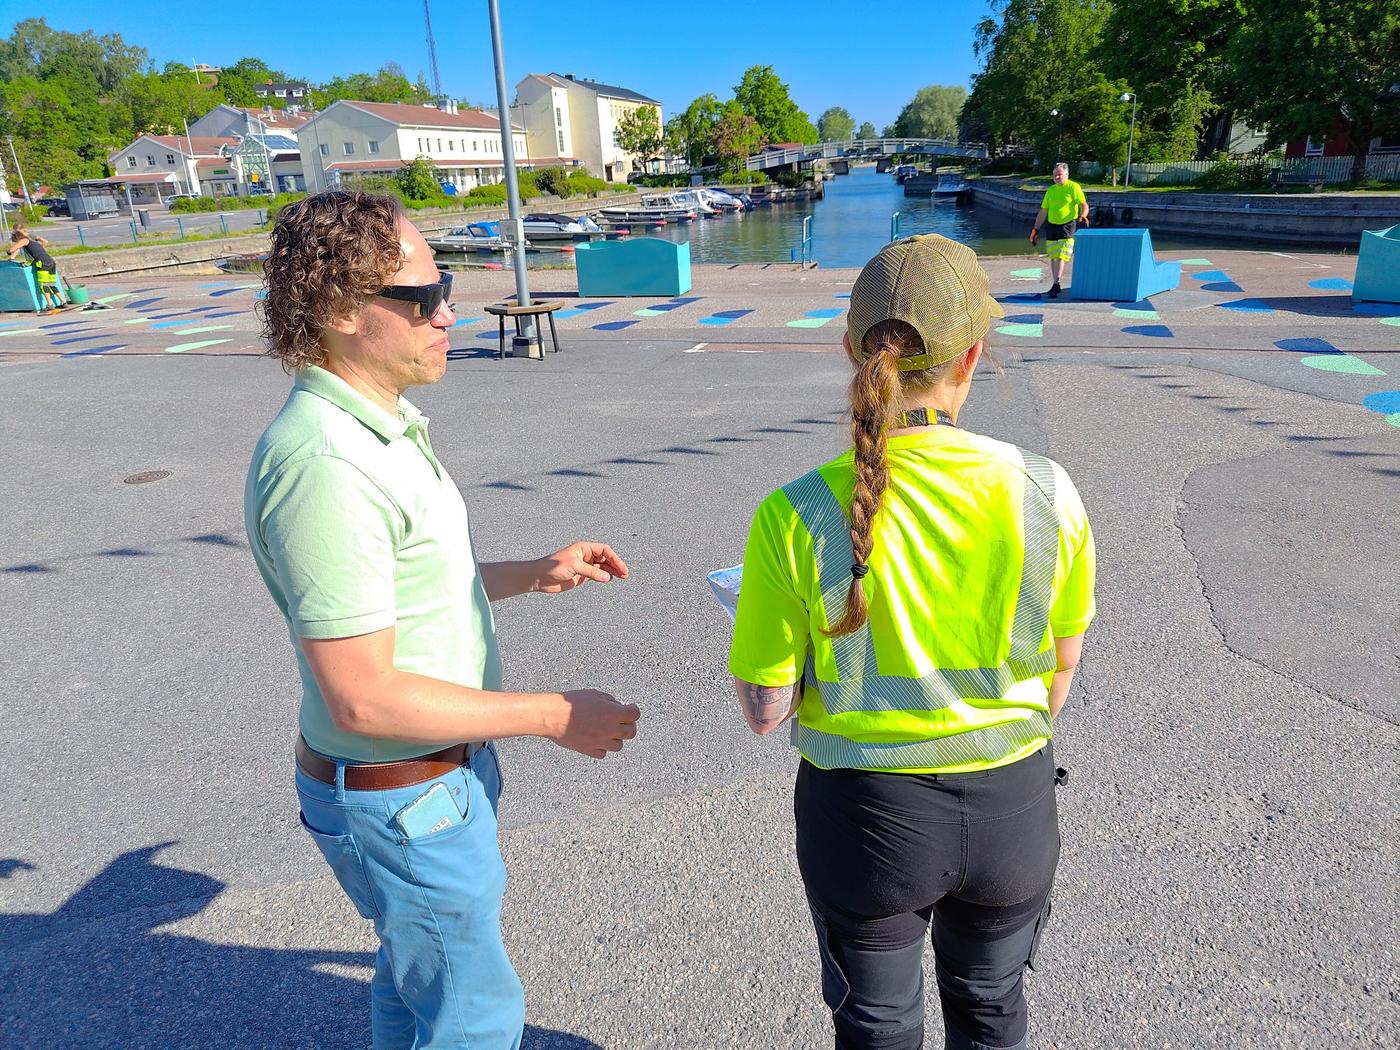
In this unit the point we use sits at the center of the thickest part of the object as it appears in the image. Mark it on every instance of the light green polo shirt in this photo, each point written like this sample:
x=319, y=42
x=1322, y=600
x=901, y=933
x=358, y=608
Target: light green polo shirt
x=356, y=527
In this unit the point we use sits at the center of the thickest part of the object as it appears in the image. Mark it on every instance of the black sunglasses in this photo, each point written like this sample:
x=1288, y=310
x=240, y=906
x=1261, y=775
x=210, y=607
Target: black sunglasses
x=429, y=297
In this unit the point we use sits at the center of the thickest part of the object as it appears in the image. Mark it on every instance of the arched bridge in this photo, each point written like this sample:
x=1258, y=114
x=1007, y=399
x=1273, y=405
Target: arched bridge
x=865, y=149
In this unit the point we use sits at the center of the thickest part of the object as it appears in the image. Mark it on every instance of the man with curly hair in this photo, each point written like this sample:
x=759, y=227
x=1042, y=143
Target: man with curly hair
x=363, y=541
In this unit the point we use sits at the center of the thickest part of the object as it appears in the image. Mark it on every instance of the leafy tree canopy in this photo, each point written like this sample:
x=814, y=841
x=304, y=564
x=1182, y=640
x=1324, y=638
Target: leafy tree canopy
x=638, y=133
x=931, y=113
x=867, y=131
x=691, y=133
x=762, y=96
x=836, y=125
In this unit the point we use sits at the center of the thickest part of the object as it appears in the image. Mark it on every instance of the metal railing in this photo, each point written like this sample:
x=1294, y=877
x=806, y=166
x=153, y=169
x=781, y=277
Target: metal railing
x=866, y=148
x=802, y=254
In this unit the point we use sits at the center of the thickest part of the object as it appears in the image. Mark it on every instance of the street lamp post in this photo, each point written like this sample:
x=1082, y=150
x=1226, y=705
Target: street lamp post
x=1132, y=126
x=24, y=186
x=1060, y=133
x=521, y=342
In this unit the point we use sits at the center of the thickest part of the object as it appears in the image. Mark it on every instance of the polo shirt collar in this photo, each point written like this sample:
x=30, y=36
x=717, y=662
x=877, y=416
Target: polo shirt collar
x=327, y=385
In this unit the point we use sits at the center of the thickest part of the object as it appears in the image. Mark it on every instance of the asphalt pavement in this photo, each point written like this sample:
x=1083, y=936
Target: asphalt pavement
x=1229, y=870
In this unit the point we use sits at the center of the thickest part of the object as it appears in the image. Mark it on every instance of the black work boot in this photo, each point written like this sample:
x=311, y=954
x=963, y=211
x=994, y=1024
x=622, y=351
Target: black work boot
x=1055, y=290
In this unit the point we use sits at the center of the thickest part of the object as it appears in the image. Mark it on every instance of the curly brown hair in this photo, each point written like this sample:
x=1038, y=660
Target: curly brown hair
x=330, y=253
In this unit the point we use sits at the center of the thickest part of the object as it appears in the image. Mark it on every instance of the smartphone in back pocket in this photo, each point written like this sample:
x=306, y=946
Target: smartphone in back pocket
x=433, y=811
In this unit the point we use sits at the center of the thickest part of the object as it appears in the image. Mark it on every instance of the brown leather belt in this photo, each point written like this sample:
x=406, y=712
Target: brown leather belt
x=382, y=776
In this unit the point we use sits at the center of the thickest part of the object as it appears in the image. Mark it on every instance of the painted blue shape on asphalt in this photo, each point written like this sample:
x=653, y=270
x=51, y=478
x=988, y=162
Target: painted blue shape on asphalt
x=77, y=339
x=141, y=304
x=687, y=301
x=1155, y=331
x=225, y=313
x=1024, y=319
x=1331, y=284
x=1385, y=402
x=843, y=295
x=836, y=312
x=1247, y=306
x=559, y=315
x=162, y=317
x=724, y=317
x=1308, y=345
x=614, y=326
x=91, y=350
x=1221, y=286
x=215, y=284
x=224, y=291
x=595, y=306
x=70, y=326
x=1377, y=309
x=1206, y=276
x=170, y=324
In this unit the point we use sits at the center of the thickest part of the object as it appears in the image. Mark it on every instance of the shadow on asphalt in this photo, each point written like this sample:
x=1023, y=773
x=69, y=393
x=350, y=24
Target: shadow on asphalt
x=101, y=971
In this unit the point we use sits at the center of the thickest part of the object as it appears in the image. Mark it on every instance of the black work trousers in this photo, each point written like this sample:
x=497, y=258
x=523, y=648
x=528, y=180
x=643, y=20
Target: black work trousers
x=886, y=856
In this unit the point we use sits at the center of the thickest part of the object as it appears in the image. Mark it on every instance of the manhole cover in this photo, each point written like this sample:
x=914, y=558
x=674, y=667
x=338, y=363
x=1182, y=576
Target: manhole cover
x=147, y=476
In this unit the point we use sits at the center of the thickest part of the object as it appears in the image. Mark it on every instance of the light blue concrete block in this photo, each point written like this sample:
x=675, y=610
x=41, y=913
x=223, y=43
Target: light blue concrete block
x=641, y=266
x=1117, y=265
x=1378, y=267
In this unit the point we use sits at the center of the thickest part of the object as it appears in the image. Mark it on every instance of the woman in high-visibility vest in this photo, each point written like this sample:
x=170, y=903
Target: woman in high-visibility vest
x=919, y=604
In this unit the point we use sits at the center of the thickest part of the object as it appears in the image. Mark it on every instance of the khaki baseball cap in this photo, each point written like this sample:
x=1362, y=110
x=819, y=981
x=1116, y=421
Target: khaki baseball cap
x=932, y=283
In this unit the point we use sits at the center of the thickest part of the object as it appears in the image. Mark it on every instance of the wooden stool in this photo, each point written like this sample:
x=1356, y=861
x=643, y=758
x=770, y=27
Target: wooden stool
x=503, y=310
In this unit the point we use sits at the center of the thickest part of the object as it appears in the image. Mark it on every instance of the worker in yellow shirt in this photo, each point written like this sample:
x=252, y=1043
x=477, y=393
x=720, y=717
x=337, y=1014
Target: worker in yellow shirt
x=919, y=603
x=1062, y=210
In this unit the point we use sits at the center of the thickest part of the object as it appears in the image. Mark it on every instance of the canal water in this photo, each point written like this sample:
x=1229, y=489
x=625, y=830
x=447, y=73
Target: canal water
x=849, y=225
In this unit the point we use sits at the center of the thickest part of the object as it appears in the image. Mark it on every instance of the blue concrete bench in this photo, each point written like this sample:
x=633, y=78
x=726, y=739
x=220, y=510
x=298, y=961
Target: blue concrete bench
x=640, y=266
x=1378, y=267
x=1117, y=265
x=19, y=287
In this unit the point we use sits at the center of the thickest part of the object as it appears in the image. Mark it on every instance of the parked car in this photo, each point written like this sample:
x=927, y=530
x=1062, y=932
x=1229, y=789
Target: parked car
x=181, y=197
x=57, y=206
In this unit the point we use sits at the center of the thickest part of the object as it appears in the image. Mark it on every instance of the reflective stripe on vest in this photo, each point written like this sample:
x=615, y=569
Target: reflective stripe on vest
x=859, y=686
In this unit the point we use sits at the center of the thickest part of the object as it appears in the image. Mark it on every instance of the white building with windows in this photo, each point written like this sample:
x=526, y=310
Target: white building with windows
x=571, y=121
x=156, y=166
x=357, y=138
x=226, y=120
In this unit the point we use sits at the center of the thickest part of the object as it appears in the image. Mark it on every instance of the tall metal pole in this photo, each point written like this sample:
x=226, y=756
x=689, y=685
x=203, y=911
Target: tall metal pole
x=24, y=186
x=1132, y=126
x=522, y=284
x=190, y=187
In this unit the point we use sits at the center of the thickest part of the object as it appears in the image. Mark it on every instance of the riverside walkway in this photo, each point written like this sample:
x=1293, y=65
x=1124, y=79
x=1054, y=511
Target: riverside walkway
x=1227, y=879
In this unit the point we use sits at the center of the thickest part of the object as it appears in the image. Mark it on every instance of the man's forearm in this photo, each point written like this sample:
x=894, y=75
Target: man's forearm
x=417, y=709
x=1040, y=218
x=506, y=579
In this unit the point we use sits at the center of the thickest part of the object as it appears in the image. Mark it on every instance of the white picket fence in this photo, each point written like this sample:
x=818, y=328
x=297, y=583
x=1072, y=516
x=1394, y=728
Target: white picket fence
x=1384, y=167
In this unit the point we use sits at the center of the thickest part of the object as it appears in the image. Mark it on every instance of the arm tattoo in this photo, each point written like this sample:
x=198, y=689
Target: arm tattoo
x=767, y=706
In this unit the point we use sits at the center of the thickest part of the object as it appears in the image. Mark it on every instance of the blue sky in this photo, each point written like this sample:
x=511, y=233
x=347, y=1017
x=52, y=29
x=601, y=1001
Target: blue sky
x=868, y=57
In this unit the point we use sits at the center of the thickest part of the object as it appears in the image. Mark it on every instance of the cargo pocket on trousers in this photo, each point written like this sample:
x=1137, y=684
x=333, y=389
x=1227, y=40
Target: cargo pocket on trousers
x=1041, y=920
x=835, y=987
x=343, y=856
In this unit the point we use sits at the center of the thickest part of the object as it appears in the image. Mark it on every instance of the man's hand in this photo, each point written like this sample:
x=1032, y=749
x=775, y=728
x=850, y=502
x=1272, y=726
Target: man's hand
x=1084, y=220
x=595, y=723
x=575, y=565
x=1035, y=235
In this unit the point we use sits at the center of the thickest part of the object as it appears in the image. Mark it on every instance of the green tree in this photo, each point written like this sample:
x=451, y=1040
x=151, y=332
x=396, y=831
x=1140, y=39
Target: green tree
x=762, y=96
x=737, y=136
x=162, y=102
x=238, y=82
x=691, y=133
x=388, y=85
x=417, y=181
x=836, y=125
x=1174, y=53
x=638, y=133
x=1038, y=55
x=867, y=131
x=1305, y=67
x=931, y=113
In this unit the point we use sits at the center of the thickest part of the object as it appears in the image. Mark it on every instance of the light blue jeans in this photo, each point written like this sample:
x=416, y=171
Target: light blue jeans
x=441, y=977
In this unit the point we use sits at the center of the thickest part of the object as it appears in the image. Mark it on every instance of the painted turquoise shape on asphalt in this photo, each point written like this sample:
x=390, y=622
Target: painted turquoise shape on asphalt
x=461, y=322
x=203, y=328
x=1395, y=321
x=184, y=348
x=1137, y=315
x=1033, y=274
x=215, y=284
x=843, y=295
x=1387, y=402
x=1331, y=284
x=816, y=318
x=169, y=324
x=647, y=312
x=1153, y=331
x=92, y=351
x=1194, y=262
x=1394, y=419
x=1247, y=306
x=1344, y=363
x=1023, y=331
x=1308, y=345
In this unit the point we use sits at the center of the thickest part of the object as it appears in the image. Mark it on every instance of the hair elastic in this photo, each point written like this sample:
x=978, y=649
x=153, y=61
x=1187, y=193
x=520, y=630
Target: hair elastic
x=858, y=570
